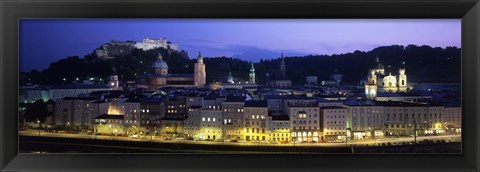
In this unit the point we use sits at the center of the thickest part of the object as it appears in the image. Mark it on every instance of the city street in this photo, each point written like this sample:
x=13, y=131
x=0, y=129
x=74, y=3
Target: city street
x=369, y=142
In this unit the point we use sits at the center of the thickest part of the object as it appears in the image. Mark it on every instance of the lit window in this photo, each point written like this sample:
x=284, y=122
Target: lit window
x=203, y=119
x=213, y=119
x=208, y=119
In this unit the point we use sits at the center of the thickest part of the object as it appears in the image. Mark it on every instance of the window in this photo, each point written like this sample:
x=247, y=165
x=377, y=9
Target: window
x=203, y=119
x=213, y=119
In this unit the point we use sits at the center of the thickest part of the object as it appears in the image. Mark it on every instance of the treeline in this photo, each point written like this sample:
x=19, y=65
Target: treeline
x=423, y=64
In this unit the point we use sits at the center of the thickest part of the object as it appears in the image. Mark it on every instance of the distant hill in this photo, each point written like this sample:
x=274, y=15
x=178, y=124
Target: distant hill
x=423, y=64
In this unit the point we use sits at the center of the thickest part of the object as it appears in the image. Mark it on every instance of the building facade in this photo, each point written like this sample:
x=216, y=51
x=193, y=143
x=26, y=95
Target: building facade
x=256, y=121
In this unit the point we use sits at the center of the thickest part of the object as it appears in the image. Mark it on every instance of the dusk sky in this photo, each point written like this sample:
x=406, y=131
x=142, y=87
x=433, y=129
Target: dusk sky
x=45, y=41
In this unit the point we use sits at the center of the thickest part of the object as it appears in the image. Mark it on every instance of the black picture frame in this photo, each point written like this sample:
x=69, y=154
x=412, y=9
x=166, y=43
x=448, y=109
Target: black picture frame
x=12, y=11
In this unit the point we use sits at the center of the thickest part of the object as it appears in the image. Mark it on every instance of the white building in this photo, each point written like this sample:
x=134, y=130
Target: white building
x=334, y=123
x=211, y=127
x=279, y=128
x=149, y=43
x=78, y=112
x=378, y=81
x=304, y=115
x=365, y=121
x=192, y=123
x=256, y=120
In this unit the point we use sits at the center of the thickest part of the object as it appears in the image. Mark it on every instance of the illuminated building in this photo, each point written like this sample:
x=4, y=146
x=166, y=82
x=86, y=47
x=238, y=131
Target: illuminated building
x=75, y=113
x=252, y=74
x=304, y=115
x=279, y=128
x=113, y=79
x=132, y=115
x=378, y=81
x=365, y=121
x=109, y=124
x=210, y=124
x=152, y=110
x=199, y=72
x=192, y=123
x=453, y=118
x=256, y=120
x=161, y=78
x=334, y=121
x=176, y=107
x=172, y=127
x=150, y=43
x=232, y=110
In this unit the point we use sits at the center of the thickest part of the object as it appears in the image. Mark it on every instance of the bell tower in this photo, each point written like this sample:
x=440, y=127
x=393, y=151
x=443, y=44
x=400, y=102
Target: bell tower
x=402, y=80
x=199, y=71
x=252, y=74
x=113, y=79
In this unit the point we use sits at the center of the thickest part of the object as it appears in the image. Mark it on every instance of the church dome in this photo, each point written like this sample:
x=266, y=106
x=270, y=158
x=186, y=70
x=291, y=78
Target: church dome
x=380, y=66
x=159, y=63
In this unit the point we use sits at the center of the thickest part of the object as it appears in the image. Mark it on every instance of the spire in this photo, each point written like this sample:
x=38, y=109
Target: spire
x=160, y=57
x=282, y=66
x=230, y=77
x=200, y=55
x=378, y=60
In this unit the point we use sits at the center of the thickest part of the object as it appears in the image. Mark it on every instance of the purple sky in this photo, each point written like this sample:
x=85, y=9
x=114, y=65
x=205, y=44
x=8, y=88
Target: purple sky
x=44, y=41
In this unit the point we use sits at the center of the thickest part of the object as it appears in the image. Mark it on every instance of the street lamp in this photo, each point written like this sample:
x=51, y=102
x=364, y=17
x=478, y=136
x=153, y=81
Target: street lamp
x=38, y=121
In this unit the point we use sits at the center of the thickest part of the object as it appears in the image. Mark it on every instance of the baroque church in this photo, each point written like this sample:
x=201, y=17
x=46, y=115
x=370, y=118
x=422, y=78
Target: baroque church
x=161, y=78
x=378, y=81
x=278, y=78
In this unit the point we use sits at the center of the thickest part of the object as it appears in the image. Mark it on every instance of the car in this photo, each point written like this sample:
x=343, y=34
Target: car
x=167, y=138
x=242, y=141
x=227, y=140
x=284, y=142
x=179, y=138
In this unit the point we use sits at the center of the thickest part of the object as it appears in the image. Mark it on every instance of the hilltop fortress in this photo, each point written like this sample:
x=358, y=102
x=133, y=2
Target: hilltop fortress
x=122, y=48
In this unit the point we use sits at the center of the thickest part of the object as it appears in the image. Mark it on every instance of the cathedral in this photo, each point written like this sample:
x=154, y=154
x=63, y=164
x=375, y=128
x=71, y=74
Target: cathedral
x=378, y=81
x=161, y=78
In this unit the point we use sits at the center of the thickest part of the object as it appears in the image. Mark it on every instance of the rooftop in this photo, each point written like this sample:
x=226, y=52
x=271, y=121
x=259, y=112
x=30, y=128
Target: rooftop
x=260, y=103
x=280, y=118
x=107, y=116
x=80, y=86
x=235, y=99
x=79, y=98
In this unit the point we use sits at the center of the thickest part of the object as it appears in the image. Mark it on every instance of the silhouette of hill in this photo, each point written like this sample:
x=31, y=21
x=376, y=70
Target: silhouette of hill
x=422, y=63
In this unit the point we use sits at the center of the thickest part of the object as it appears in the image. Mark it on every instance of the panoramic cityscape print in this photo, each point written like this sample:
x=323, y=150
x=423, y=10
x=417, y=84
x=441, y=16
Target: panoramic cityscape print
x=240, y=86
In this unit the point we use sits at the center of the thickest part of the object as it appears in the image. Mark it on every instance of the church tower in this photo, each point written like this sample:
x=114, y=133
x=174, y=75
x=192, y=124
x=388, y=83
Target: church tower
x=252, y=74
x=282, y=66
x=199, y=71
x=113, y=79
x=402, y=80
x=230, y=78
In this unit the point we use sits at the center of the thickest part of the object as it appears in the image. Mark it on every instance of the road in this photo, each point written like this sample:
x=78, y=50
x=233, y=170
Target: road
x=369, y=142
